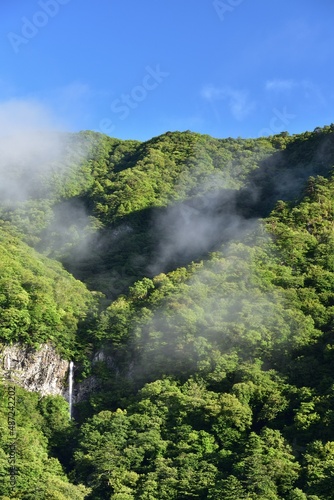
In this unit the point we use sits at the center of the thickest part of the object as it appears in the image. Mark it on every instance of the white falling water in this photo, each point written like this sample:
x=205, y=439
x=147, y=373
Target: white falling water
x=70, y=387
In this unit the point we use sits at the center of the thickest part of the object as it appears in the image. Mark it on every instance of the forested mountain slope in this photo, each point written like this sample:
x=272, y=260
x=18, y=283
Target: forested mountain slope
x=216, y=261
x=40, y=301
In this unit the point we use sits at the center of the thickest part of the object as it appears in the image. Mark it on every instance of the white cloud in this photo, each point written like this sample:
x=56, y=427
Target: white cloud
x=237, y=100
x=23, y=115
x=280, y=85
x=313, y=93
x=72, y=102
x=31, y=147
x=306, y=89
x=29, y=135
x=74, y=91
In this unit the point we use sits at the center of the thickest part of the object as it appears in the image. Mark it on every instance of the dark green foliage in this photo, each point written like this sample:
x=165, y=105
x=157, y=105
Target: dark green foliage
x=39, y=473
x=215, y=345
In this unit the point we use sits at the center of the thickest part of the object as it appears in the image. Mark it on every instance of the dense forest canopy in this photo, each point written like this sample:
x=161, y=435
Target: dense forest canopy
x=203, y=270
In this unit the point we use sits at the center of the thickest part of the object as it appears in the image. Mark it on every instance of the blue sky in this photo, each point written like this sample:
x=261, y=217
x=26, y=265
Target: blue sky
x=135, y=69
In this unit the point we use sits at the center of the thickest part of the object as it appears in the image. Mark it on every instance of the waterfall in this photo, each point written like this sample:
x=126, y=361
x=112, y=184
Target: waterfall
x=70, y=388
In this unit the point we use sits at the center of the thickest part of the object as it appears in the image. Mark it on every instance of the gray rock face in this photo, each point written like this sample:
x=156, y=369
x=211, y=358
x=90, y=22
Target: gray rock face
x=40, y=370
x=44, y=371
x=82, y=390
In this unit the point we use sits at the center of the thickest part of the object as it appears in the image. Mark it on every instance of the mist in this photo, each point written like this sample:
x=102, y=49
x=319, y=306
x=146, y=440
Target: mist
x=30, y=142
x=191, y=229
x=36, y=160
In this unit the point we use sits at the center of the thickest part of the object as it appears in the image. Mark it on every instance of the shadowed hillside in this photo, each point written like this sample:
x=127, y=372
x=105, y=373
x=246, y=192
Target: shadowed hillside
x=206, y=294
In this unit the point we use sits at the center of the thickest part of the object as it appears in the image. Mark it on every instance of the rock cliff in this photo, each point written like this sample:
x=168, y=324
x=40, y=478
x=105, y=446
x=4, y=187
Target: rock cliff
x=41, y=370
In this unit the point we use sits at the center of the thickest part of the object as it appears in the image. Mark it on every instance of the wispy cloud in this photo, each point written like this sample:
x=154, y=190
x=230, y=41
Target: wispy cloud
x=307, y=89
x=313, y=92
x=28, y=142
x=19, y=116
x=74, y=90
x=237, y=100
x=280, y=85
x=73, y=102
x=73, y=95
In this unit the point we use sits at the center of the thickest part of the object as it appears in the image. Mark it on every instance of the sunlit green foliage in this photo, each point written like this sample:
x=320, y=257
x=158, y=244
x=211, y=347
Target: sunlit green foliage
x=40, y=302
x=215, y=369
